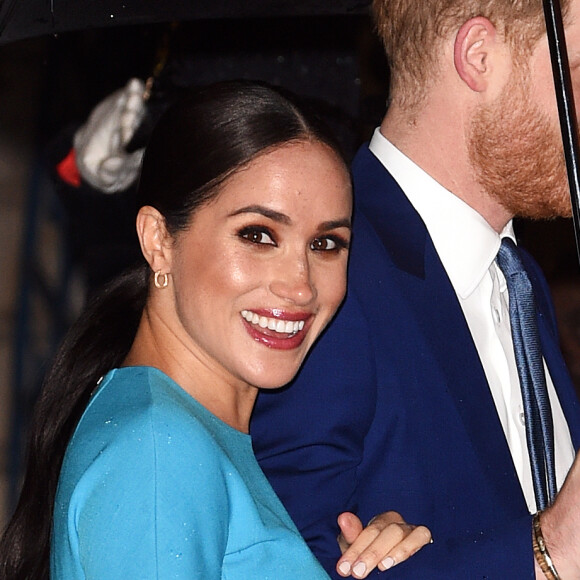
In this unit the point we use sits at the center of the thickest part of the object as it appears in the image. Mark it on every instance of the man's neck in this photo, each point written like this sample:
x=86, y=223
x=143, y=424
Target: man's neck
x=437, y=142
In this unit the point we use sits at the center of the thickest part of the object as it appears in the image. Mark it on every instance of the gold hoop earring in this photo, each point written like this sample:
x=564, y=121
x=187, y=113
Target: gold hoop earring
x=161, y=280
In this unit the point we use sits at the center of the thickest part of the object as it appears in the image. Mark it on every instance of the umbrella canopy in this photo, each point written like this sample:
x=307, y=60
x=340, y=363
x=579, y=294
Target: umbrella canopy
x=21, y=19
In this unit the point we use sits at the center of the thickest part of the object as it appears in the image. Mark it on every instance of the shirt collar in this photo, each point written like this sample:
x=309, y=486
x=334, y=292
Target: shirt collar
x=466, y=244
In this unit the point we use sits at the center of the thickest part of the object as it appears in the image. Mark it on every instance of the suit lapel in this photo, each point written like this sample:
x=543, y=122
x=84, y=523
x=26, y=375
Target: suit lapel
x=438, y=317
x=560, y=377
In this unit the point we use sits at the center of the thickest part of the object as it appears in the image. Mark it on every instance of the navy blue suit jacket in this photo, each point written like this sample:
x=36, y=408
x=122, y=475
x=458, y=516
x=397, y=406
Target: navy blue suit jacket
x=392, y=409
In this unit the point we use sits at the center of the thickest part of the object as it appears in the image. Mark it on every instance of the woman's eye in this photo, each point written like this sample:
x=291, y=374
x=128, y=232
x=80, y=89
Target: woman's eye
x=330, y=244
x=257, y=236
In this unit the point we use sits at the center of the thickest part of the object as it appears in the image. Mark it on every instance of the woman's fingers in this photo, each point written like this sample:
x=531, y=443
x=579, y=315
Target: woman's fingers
x=350, y=529
x=418, y=537
x=386, y=541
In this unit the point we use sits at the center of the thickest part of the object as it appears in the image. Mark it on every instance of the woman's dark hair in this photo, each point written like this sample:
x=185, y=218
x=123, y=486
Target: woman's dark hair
x=189, y=156
x=196, y=145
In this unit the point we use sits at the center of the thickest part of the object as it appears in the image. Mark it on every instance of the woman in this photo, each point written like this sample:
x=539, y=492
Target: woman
x=244, y=223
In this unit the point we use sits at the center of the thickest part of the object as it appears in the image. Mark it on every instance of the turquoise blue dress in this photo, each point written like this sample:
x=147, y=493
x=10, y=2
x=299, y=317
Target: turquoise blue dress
x=154, y=486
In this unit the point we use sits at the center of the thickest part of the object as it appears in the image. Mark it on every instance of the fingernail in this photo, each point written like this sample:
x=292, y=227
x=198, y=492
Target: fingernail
x=388, y=562
x=344, y=568
x=359, y=569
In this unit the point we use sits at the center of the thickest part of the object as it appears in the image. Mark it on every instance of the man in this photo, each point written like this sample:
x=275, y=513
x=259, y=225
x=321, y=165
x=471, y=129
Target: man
x=411, y=399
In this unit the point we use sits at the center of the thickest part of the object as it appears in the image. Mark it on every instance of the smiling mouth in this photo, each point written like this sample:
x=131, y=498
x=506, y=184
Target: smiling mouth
x=275, y=324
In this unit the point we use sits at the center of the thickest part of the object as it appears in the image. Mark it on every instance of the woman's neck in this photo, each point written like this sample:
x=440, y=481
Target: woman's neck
x=230, y=399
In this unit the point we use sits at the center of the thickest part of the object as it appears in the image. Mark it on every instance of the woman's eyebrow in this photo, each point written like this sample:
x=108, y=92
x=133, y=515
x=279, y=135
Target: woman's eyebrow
x=265, y=211
x=284, y=219
x=332, y=224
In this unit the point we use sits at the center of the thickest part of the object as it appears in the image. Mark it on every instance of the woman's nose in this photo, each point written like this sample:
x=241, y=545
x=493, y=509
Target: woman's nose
x=293, y=282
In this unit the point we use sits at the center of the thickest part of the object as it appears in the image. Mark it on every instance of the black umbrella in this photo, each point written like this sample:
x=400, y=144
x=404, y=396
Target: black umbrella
x=28, y=18
x=566, y=109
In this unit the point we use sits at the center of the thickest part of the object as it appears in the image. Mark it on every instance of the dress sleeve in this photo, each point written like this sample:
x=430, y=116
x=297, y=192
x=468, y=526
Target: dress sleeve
x=153, y=505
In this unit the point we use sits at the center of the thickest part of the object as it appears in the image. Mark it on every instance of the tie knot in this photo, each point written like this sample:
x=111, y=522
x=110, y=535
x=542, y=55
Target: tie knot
x=508, y=258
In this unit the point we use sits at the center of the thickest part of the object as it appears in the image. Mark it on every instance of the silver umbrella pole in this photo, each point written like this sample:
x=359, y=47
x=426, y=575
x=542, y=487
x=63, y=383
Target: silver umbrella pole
x=566, y=109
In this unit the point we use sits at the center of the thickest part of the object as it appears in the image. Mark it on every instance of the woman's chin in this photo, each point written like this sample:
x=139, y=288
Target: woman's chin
x=276, y=381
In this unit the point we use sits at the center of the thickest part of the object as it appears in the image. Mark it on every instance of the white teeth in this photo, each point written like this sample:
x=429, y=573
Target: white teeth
x=275, y=324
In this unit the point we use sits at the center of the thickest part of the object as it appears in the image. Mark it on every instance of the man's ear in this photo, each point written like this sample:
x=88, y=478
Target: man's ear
x=475, y=45
x=154, y=239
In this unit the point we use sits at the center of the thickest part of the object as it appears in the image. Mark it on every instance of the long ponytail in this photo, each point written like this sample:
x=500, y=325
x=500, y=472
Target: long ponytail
x=96, y=343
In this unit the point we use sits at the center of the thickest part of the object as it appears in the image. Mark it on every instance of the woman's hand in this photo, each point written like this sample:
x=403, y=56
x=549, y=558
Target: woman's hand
x=387, y=540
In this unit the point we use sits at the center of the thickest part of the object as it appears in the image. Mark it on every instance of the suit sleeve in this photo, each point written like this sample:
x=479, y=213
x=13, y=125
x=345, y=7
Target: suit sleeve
x=309, y=438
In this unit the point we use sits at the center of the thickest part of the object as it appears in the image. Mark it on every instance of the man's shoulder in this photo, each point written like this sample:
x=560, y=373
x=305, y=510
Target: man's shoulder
x=387, y=229
x=366, y=168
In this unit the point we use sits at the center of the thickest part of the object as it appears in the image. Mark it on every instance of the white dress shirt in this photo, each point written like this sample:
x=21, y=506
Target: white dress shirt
x=467, y=246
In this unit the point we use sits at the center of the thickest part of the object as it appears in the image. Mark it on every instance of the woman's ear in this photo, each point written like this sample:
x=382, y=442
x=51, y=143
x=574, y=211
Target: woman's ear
x=154, y=239
x=475, y=48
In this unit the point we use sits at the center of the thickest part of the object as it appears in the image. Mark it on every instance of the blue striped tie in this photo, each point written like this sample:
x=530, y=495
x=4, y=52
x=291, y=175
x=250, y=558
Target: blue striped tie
x=529, y=361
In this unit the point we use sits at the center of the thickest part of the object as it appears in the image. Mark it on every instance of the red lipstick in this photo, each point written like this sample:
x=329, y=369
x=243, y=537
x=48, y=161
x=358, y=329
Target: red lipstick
x=277, y=340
